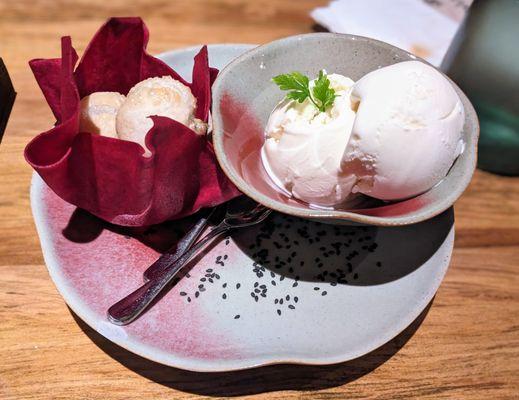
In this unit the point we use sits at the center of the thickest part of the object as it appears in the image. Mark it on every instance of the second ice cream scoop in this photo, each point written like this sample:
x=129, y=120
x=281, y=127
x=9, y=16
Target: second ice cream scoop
x=407, y=131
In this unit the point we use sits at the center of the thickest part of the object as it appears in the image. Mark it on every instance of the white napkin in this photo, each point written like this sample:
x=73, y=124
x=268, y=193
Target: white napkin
x=409, y=24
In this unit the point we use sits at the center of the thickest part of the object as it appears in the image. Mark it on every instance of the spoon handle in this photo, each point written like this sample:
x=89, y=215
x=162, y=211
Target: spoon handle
x=130, y=307
x=184, y=244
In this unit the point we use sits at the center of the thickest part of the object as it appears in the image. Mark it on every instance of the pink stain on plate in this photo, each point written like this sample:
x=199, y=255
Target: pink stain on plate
x=108, y=265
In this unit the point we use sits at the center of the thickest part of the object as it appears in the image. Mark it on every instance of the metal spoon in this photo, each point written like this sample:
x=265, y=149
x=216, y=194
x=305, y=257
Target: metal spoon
x=184, y=244
x=129, y=308
x=232, y=208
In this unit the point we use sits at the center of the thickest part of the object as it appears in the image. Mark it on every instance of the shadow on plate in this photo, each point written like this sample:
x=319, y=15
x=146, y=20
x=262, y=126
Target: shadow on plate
x=300, y=249
x=258, y=380
x=351, y=255
x=84, y=227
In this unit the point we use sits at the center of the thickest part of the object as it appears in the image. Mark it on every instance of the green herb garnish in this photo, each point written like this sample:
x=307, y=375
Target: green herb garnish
x=321, y=94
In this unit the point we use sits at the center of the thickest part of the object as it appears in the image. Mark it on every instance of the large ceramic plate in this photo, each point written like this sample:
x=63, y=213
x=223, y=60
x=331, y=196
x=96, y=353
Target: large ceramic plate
x=288, y=291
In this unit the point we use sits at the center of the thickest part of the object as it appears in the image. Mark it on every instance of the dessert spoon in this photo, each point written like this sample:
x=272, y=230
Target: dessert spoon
x=184, y=244
x=130, y=307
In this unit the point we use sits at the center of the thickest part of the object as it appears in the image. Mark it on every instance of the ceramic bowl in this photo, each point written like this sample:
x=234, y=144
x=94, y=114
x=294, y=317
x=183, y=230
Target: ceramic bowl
x=244, y=96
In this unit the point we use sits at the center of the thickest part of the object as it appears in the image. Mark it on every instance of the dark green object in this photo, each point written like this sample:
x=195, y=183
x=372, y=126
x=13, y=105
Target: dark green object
x=484, y=61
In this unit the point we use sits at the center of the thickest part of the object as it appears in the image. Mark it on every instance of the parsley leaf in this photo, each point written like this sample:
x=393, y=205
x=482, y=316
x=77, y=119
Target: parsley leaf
x=298, y=85
x=322, y=91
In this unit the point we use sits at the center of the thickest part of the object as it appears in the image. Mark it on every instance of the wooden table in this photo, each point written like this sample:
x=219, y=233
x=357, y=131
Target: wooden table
x=466, y=345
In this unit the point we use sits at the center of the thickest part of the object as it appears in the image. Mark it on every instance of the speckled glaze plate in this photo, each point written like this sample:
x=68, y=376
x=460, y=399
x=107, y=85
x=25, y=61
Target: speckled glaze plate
x=288, y=291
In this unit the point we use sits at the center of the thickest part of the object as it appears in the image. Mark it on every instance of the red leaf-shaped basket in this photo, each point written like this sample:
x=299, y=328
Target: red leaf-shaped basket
x=112, y=178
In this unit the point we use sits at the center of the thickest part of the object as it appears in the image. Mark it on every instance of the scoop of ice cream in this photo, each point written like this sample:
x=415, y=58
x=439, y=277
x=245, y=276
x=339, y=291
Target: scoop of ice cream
x=407, y=131
x=98, y=112
x=304, y=147
x=164, y=97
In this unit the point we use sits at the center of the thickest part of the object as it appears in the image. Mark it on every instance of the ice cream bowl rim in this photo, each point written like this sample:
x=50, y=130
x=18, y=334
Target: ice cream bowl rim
x=463, y=167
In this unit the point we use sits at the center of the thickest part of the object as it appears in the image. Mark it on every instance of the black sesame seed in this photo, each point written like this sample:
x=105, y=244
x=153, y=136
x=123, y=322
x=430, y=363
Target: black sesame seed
x=183, y=293
x=276, y=301
x=257, y=290
x=287, y=297
x=296, y=299
x=224, y=296
x=355, y=276
x=238, y=285
x=237, y=316
x=197, y=294
x=189, y=299
x=291, y=307
x=324, y=293
x=202, y=289
x=316, y=288
x=273, y=283
x=200, y=286
x=279, y=312
x=225, y=257
x=295, y=284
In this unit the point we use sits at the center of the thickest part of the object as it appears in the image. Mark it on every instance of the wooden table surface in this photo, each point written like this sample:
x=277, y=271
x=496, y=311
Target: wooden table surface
x=466, y=345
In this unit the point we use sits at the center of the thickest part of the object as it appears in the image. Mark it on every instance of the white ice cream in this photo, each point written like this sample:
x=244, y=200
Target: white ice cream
x=304, y=147
x=407, y=131
x=392, y=135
